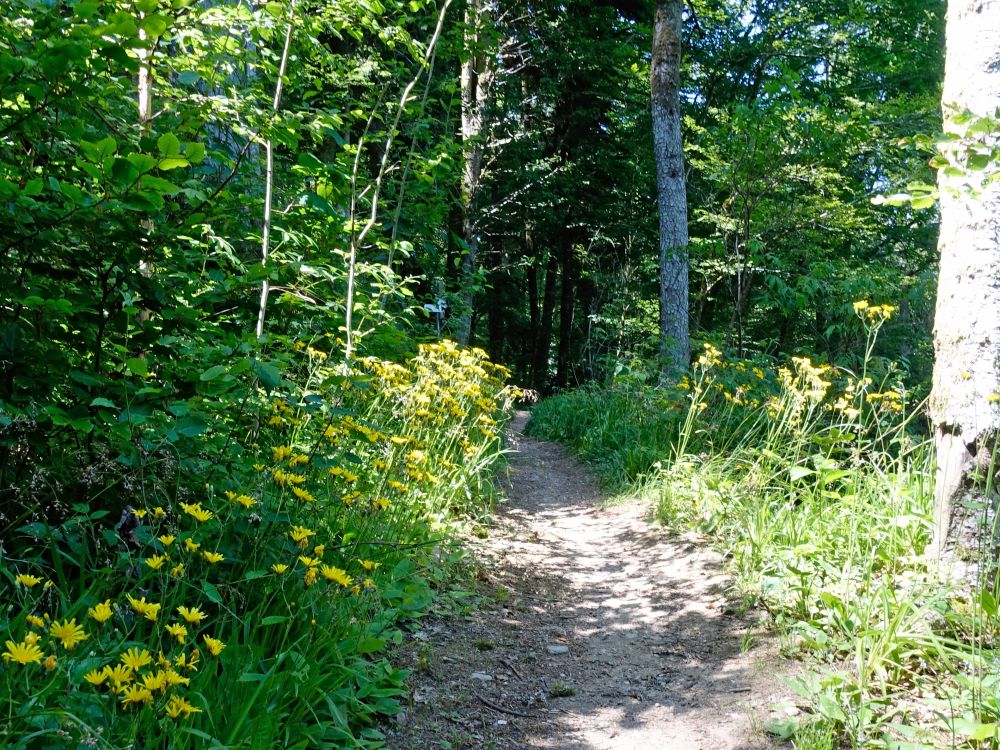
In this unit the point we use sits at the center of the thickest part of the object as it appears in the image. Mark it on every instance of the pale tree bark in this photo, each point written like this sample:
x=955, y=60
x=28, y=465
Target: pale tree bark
x=144, y=91
x=671, y=190
x=963, y=403
x=478, y=67
x=265, y=243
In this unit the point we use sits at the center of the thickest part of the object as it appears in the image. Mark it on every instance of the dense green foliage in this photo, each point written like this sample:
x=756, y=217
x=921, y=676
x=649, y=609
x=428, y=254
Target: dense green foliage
x=141, y=144
x=208, y=537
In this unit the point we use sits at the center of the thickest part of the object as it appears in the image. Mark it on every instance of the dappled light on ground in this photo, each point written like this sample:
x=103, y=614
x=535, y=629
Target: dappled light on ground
x=608, y=634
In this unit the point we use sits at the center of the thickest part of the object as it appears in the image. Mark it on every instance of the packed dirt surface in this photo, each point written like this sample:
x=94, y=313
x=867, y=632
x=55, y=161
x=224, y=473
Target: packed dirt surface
x=598, y=632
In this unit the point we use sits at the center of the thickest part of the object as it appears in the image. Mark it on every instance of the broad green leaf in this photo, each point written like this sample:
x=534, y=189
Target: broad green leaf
x=211, y=592
x=213, y=372
x=796, y=473
x=269, y=375
x=137, y=366
x=191, y=425
x=168, y=144
x=172, y=162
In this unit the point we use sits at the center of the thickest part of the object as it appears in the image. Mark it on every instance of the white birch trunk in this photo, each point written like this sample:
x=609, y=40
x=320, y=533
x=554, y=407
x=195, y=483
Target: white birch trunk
x=672, y=193
x=967, y=317
x=265, y=249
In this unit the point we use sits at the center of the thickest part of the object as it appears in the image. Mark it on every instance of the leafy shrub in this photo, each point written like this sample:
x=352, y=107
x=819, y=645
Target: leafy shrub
x=248, y=589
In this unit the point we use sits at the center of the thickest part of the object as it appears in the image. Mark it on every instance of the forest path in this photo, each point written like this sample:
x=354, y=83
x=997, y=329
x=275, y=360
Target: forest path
x=603, y=633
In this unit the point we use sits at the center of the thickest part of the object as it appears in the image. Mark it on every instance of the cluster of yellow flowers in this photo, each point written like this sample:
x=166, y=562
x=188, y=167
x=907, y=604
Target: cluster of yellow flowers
x=874, y=313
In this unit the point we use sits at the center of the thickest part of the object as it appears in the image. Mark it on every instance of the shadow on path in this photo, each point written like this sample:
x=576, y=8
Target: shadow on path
x=603, y=634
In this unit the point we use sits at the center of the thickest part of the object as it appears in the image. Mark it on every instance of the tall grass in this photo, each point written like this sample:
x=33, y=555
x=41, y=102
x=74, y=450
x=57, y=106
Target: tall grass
x=817, y=486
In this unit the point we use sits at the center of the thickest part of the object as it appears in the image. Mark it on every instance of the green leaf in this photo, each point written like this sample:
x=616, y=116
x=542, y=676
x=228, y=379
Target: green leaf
x=315, y=202
x=158, y=184
x=211, y=592
x=370, y=646
x=168, y=144
x=213, y=372
x=988, y=602
x=33, y=187
x=137, y=366
x=782, y=728
x=155, y=24
x=103, y=402
x=146, y=6
x=172, y=162
x=194, y=152
x=191, y=425
x=796, y=473
x=142, y=162
x=273, y=620
x=269, y=375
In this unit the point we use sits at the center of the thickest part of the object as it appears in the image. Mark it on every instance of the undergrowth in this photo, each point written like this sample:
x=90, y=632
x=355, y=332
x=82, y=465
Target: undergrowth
x=260, y=567
x=816, y=484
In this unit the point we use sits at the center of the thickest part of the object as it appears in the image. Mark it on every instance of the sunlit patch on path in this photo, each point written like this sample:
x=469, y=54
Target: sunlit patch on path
x=606, y=634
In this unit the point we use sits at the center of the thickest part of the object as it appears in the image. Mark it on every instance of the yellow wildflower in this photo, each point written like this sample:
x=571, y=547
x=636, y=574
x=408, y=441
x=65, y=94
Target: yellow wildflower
x=175, y=678
x=335, y=574
x=23, y=652
x=279, y=568
x=196, y=511
x=135, y=659
x=369, y=565
x=281, y=452
x=156, y=562
x=158, y=512
x=68, y=633
x=300, y=535
x=144, y=608
x=245, y=500
x=191, y=545
x=28, y=581
x=96, y=676
x=35, y=621
x=50, y=663
x=303, y=495
x=192, y=615
x=178, y=631
x=177, y=707
x=155, y=681
x=177, y=571
x=166, y=539
x=213, y=557
x=119, y=674
x=214, y=645
x=298, y=459
x=136, y=694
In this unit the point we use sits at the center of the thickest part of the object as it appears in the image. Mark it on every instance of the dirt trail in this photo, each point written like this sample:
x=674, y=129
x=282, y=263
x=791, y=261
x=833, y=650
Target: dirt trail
x=604, y=634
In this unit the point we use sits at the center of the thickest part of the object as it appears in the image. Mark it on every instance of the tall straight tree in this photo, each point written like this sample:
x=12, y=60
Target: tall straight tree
x=478, y=66
x=963, y=402
x=671, y=191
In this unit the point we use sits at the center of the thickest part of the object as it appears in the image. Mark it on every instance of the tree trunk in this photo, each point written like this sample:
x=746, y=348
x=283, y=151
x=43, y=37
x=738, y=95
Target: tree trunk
x=567, y=304
x=477, y=75
x=963, y=402
x=543, y=336
x=672, y=194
